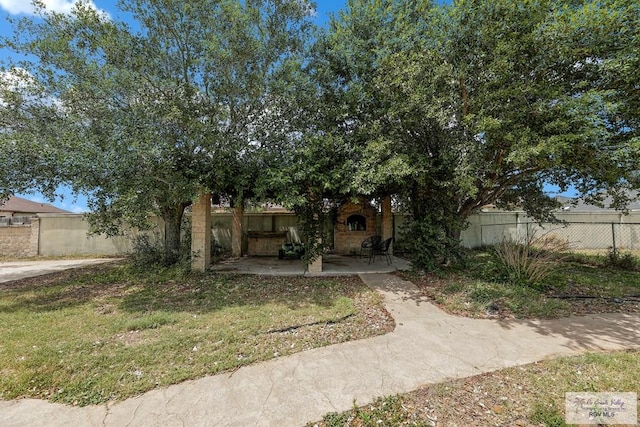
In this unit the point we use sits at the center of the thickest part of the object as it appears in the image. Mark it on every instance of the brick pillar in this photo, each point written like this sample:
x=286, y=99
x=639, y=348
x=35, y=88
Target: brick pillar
x=201, y=233
x=316, y=265
x=34, y=240
x=236, y=230
x=387, y=221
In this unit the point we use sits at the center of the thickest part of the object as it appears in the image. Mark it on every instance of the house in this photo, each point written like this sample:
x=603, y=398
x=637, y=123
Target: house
x=16, y=209
x=579, y=205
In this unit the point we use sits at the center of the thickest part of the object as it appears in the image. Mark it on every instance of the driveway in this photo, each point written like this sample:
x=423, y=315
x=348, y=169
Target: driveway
x=15, y=270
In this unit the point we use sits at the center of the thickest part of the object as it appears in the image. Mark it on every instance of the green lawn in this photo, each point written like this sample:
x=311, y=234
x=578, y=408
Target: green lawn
x=110, y=332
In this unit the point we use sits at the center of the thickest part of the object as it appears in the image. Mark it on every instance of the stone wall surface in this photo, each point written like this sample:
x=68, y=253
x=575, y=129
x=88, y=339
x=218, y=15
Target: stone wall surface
x=16, y=241
x=347, y=239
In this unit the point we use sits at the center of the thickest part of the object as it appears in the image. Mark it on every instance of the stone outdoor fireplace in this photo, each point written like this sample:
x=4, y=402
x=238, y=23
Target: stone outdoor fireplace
x=354, y=223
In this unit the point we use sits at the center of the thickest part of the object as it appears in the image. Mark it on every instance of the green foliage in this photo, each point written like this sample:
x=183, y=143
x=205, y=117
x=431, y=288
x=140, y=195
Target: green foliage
x=449, y=107
x=429, y=244
x=622, y=260
x=456, y=107
x=312, y=223
x=149, y=252
x=111, y=332
x=144, y=117
x=528, y=260
x=480, y=297
x=386, y=412
x=335, y=419
x=547, y=414
x=153, y=321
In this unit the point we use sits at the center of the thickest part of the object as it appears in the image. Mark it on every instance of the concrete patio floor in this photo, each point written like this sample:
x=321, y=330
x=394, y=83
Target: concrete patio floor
x=332, y=265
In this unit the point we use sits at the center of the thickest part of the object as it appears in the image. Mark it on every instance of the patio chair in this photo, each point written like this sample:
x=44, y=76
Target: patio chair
x=368, y=244
x=382, y=249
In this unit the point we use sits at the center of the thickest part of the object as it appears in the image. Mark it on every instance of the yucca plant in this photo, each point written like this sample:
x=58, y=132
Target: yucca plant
x=529, y=260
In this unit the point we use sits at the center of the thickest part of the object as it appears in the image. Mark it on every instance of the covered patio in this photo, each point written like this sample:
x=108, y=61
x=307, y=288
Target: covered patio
x=332, y=265
x=356, y=222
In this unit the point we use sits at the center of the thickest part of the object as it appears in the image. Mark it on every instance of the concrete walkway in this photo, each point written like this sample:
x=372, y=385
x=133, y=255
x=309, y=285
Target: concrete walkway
x=332, y=265
x=427, y=346
x=14, y=270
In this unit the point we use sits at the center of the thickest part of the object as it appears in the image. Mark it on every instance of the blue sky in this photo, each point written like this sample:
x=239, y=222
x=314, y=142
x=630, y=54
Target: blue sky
x=15, y=8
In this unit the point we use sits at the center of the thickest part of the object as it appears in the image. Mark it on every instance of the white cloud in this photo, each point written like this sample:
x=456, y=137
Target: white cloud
x=20, y=80
x=16, y=7
x=78, y=209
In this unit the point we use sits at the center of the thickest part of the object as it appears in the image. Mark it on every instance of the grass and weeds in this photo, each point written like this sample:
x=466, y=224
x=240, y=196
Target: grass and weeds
x=108, y=332
x=574, y=284
x=525, y=396
x=111, y=331
x=530, y=395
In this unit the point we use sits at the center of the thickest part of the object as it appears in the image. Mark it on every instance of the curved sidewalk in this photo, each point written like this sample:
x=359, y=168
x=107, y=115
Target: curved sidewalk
x=427, y=346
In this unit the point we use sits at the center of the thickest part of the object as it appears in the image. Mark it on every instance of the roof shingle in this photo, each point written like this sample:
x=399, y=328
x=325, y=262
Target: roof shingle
x=19, y=205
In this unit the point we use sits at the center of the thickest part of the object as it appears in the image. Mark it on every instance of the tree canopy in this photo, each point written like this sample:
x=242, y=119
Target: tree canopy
x=448, y=107
x=144, y=116
x=484, y=102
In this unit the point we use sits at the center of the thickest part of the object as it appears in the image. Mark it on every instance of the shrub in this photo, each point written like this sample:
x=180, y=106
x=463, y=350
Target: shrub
x=430, y=246
x=149, y=252
x=527, y=261
x=622, y=260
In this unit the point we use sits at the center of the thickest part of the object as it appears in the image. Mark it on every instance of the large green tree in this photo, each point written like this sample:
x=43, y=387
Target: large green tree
x=142, y=116
x=480, y=102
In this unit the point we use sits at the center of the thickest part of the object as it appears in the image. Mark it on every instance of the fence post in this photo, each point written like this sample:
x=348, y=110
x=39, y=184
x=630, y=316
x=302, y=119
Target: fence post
x=613, y=238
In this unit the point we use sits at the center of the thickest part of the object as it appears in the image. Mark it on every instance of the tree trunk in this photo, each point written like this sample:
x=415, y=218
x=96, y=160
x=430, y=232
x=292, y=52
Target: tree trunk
x=236, y=228
x=172, y=217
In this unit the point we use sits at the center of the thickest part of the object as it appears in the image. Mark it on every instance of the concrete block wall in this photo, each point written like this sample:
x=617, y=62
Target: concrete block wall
x=54, y=234
x=20, y=240
x=68, y=235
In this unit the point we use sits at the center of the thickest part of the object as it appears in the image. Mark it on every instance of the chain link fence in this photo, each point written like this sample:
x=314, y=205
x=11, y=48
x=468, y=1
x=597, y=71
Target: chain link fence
x=596, y=236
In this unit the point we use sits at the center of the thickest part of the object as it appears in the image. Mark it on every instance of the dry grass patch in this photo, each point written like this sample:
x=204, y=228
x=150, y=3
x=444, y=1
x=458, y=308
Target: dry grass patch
x=576, y=285
x=525, y=396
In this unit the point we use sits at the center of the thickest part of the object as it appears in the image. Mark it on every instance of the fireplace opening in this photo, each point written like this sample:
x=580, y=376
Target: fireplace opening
x=356, y=223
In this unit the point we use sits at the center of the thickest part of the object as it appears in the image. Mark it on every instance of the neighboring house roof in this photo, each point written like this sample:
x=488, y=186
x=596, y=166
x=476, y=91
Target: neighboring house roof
x=19, y=205
x=580, y=205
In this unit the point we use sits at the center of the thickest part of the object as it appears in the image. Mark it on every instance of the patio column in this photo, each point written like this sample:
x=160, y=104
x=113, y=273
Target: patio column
x=316, y=265
x=201, y=233
x=387, y=221
x=236, y=229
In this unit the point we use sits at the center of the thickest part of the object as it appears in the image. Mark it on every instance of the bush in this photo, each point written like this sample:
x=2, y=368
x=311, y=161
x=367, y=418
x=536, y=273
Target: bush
x=527, y=261
x=149, y=251
x=621, y=260
x=430, y=246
